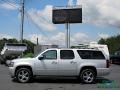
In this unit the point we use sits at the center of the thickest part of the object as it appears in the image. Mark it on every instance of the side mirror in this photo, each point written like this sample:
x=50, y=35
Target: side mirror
x=41, y=57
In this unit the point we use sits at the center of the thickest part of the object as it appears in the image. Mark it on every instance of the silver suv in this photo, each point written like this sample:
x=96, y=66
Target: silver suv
x=86, y=64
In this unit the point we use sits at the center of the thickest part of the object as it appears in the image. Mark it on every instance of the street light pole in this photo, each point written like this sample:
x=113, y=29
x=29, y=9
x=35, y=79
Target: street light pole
x=22, y=21
x=70, y=2
x=67, y=35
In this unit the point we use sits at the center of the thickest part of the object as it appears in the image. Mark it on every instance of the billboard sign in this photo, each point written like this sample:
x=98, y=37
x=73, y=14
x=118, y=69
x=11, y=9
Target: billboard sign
x=67, y=15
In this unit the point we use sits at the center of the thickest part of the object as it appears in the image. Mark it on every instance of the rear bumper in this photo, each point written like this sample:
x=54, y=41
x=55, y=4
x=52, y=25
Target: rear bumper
x=103, y=71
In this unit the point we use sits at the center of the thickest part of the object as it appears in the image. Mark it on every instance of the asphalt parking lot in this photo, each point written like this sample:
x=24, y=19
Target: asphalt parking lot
x=110, y=82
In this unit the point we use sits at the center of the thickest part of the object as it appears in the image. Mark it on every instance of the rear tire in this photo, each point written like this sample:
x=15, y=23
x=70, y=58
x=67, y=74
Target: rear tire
x=87, y=76
x=24, y=75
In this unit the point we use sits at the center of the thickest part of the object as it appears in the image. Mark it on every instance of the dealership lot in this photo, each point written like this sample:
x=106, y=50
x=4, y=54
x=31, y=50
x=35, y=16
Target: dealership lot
x=111, y=81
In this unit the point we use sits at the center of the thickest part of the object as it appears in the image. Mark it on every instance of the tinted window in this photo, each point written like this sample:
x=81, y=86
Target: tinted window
x=51, y=54
x=117, y=53
x=85, y=54
x=66, y=54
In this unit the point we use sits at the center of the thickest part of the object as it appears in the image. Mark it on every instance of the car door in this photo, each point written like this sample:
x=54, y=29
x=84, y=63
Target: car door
x=67, y=63
x=47, y=63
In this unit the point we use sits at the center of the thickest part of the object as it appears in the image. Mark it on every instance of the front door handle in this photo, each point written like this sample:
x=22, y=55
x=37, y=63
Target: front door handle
x=54, y=62
x=72, y=62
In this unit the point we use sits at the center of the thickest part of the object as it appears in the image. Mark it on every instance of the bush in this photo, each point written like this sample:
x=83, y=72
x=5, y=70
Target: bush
x=28, y=55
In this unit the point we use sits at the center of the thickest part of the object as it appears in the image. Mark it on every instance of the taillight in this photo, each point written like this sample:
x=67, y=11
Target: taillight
x=108, y=63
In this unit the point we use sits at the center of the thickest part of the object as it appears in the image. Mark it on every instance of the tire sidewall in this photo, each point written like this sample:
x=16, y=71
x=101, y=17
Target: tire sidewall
x=85, y=70
x=29, y=72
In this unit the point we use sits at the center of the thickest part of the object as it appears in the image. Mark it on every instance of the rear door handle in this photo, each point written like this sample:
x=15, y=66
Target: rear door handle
x=54, y=62
x=72, y=62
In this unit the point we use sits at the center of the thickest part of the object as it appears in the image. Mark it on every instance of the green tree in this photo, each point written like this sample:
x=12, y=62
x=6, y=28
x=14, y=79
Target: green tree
x=30, y=46
x=112, y=42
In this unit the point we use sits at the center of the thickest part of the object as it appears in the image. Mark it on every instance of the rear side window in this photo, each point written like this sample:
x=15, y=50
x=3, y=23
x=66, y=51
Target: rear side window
x=87, y=54
x=66, y=54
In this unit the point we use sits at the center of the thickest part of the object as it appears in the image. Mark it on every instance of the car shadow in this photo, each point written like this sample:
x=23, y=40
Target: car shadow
x=99, y=80
x=116, y=63
x=102, y=80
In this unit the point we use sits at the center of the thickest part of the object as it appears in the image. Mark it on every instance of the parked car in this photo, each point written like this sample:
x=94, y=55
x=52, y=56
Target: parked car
x=115, y=58
x=85, y=64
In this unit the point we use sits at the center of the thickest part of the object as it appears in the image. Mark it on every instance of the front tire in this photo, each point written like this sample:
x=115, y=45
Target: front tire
x=88, y=76
x=23, y=75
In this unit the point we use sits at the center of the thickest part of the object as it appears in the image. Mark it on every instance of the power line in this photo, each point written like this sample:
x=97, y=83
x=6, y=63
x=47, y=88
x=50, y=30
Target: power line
x=11, y=4
x=22, y=10
x=22, y=21
x=29, y=18
x=12, y=1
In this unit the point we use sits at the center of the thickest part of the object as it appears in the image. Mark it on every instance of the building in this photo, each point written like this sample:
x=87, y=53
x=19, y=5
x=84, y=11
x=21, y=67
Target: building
x=40, y=48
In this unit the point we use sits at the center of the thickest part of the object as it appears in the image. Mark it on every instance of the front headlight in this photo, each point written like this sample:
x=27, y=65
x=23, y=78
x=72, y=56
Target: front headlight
x=11, y=64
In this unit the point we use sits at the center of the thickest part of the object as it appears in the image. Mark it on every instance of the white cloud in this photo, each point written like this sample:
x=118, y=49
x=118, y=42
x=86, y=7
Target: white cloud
x=5, y=36
x=9, y=6
x=102, y=35
x=70, y=2
x=42, y=39
x=101, y=12
x=80, y=38
x=43, y=18
x=59, y=39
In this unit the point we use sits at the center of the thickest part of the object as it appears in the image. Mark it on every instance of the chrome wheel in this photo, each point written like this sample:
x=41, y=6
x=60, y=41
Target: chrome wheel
x=23, y=75
x=88, y=76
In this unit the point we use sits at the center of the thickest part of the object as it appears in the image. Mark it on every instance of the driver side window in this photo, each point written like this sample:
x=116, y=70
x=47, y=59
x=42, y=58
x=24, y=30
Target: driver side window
x=51, y=54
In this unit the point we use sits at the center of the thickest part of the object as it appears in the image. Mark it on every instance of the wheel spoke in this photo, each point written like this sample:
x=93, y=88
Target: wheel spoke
x=84, y=76
x=22, y=72
x=86, y=73
x=26, y=78
x=90, y=74
x=19, y=75
x=26, y=74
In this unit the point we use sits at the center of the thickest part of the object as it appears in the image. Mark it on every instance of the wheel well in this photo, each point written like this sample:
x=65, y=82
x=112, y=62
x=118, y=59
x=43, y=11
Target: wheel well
x=24, y=66
x=89, y=67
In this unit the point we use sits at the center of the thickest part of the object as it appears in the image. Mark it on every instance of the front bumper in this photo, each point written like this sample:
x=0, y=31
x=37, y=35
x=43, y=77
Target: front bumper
x=103, y=71
x=12, y=72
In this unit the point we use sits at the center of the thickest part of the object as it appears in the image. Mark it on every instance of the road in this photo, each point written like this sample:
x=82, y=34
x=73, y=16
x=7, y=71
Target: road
x=110, y=82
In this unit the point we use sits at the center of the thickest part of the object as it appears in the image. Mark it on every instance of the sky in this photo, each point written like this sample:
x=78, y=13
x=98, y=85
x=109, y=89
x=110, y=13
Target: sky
x=101, y=19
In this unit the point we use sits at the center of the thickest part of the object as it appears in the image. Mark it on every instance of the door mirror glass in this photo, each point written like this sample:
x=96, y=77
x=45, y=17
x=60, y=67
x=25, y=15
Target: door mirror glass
x=41, y=57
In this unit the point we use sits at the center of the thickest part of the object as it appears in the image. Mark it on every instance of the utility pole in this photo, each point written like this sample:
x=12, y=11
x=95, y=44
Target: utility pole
x=22, y=21
x=37, y=41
